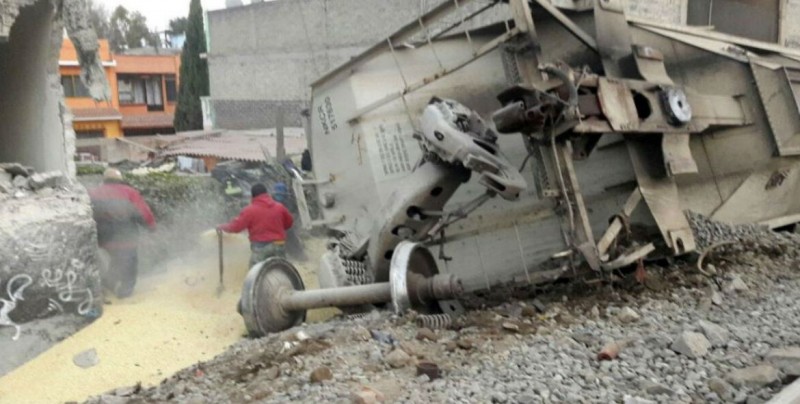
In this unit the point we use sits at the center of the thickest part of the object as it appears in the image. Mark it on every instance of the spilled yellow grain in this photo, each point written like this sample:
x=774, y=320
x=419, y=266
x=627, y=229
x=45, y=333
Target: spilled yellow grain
x=174, y=319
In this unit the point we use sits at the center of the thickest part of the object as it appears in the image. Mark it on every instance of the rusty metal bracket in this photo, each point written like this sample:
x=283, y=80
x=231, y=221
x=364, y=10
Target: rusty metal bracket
x=523, y=22
x=660, y=192
x=628, y=259
x=650, y=63
x=613, y=38
x=677, y=154
x=616, y=102
x=782, y=106
x=584, y=241
x=617, y=223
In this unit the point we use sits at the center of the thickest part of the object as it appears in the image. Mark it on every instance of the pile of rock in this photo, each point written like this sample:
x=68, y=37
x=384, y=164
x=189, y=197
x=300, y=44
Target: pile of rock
x=708, y=232
x=18, y=181
x=49, y=245
x=592, y=345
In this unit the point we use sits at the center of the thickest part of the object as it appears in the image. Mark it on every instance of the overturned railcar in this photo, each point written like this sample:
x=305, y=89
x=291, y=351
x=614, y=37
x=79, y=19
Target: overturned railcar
x=518, y=139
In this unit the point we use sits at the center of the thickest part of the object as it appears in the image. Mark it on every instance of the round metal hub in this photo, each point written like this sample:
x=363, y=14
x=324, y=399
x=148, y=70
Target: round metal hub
x=677, y=105
x=409, y=261
x=263, y=287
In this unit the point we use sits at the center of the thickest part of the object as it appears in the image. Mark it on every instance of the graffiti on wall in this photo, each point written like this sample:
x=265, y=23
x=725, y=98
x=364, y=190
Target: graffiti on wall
x=15, y=289
x=68, y=288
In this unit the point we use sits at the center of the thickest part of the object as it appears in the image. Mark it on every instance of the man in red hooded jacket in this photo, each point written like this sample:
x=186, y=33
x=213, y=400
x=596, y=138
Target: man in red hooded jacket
x=266, y=222
x=119, y=211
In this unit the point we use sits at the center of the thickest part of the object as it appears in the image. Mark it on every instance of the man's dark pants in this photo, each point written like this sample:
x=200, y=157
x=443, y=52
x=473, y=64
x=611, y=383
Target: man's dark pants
x=262, y=251
x=122, y=271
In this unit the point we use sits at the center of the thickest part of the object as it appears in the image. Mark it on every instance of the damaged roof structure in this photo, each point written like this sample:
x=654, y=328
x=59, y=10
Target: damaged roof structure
x=247, y=146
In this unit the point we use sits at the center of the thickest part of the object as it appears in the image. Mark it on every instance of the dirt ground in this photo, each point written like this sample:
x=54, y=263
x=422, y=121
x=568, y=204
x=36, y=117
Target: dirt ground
x=174, y=319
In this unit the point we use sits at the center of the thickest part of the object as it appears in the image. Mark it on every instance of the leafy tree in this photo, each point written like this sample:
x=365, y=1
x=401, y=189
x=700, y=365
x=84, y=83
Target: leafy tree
x=194, y=73
x=98, y=17
x=119, y=25
x=139, y=34
x=129, y=30
x=178, y=25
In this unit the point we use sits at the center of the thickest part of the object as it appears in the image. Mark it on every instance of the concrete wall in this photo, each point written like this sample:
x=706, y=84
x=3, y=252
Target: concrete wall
x=264, y=57
x=9, y=9
x=32, y=132
x=48, y=256
x=790, y=29
x=115, y=151
x=48, y=247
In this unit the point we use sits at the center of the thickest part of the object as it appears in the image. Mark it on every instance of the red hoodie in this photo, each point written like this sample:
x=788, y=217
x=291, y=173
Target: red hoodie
x=265, y=220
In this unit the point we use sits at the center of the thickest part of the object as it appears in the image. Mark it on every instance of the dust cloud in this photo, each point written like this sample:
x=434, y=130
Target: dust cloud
x=175, y=317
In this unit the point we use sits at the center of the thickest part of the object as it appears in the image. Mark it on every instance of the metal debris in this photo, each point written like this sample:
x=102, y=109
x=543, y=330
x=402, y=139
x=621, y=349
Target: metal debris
x=434, y=321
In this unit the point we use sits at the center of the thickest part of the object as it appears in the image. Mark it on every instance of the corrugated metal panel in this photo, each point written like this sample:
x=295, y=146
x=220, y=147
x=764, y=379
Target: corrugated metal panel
x=235, y=146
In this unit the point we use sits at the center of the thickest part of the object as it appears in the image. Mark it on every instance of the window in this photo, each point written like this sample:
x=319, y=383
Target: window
x=73, y=87
x=171, y=85
x=131, y=90
x=143, y=90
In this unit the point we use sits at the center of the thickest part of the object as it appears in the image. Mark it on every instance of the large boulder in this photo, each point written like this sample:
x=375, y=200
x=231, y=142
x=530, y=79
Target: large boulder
x=691, y=344
x=49, y=255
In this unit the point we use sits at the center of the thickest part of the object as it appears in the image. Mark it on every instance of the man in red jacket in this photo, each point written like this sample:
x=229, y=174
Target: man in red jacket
x=119, y=210
x=266, y=222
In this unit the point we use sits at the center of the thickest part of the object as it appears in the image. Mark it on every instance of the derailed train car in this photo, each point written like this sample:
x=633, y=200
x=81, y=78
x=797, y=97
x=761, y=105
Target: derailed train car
x=517, y=140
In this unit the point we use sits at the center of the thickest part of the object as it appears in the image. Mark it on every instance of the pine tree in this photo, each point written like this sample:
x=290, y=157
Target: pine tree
x=194, y=73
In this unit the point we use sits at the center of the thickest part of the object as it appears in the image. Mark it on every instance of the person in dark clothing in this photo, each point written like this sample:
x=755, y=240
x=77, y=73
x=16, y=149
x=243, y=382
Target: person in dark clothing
x=266, y=221
x=305, y=161
x=119, y=211
x=294, y=246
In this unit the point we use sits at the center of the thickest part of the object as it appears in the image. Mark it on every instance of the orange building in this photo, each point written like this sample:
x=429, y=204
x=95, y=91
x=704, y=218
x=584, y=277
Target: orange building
x=92, y=119
x=144, y=93
x=147, y=87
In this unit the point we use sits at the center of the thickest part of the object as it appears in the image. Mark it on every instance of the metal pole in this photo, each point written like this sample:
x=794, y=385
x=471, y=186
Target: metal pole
x=438, y=287
x=347, y=296
x=280, y=150
x=221, y=286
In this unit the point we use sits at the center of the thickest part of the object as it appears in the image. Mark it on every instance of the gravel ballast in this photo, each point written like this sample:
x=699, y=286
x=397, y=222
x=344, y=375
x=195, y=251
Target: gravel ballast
x=683, y=337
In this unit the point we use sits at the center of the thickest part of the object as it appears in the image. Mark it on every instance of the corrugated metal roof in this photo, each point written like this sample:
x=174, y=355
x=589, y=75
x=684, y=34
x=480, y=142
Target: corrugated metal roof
x=147, y=121
x=235, y=146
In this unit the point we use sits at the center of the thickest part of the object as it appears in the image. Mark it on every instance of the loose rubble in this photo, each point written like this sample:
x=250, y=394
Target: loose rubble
x=754, y=376
x=48, y=256
x=689, y=342
x=716, y=335
x=627, y=315
x=787, y=360
x=86, y=359
x=18, y=181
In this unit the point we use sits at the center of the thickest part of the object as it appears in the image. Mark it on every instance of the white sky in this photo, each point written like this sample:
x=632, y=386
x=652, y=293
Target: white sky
x=159, y=12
